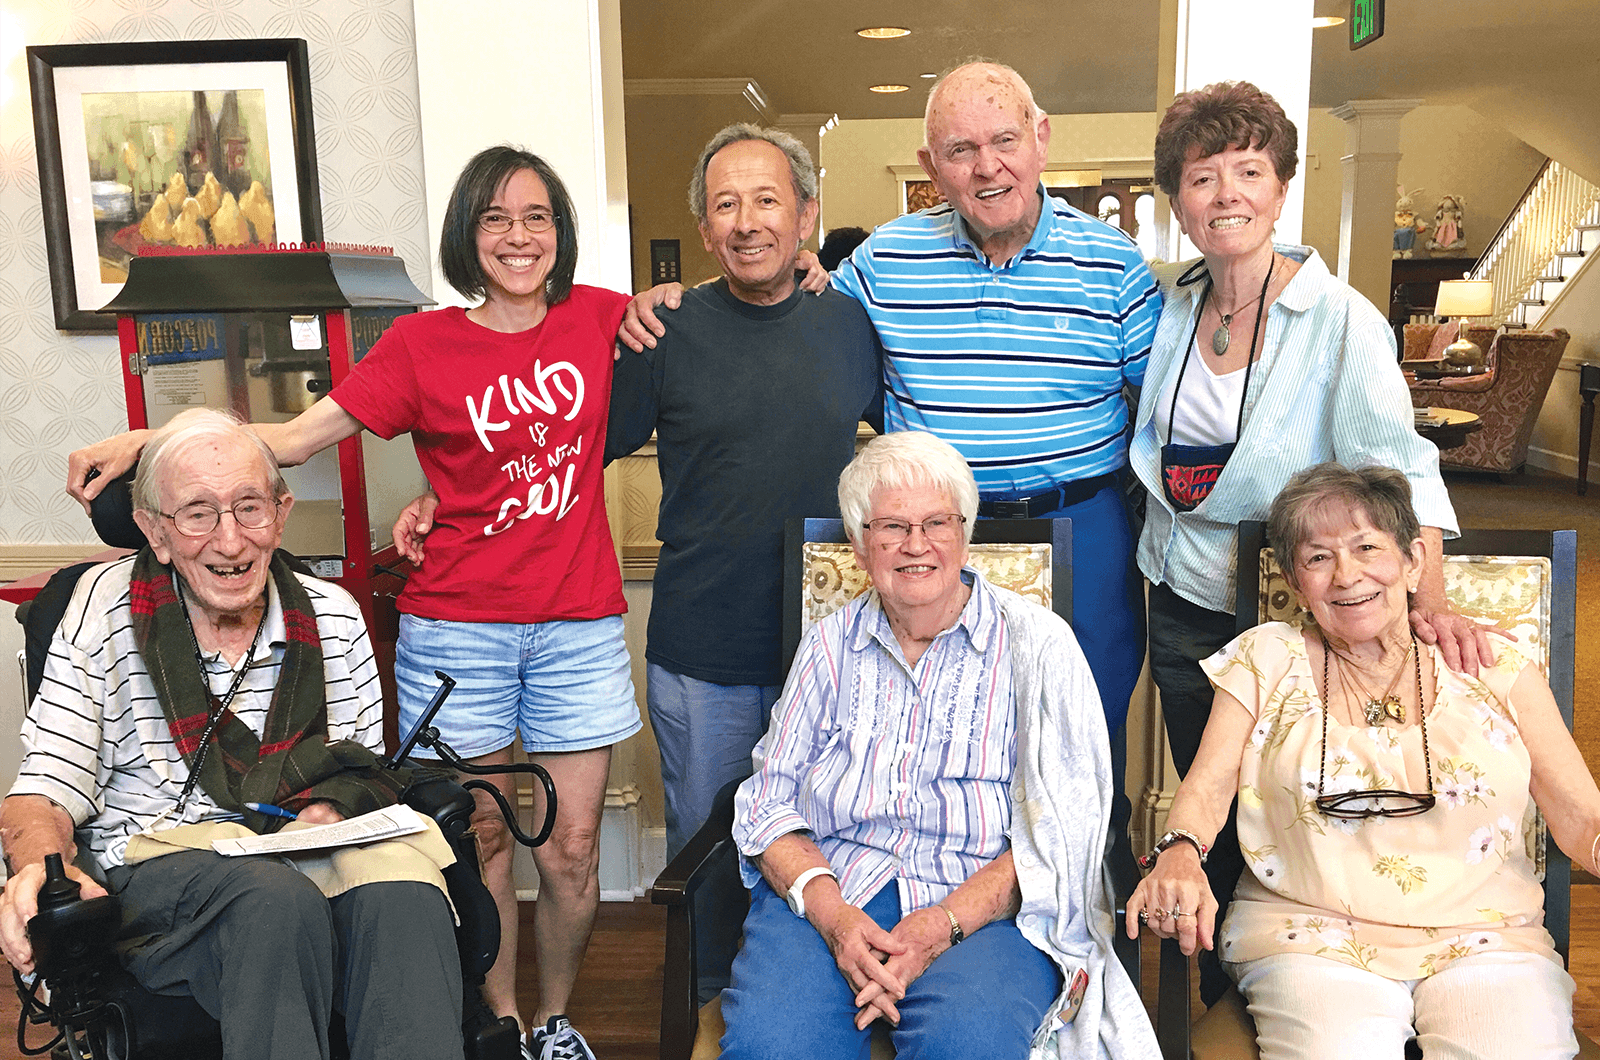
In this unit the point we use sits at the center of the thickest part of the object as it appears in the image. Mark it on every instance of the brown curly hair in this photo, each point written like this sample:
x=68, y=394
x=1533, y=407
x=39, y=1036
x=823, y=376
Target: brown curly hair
x=1217, y=117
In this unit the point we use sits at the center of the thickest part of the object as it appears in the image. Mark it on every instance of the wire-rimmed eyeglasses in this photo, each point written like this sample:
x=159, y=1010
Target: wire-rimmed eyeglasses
x=496, y=223
x=941, y=528
x=199, y=519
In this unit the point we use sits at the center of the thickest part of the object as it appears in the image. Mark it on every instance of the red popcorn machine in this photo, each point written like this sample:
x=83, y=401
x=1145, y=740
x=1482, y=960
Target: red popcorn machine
x=266, y=332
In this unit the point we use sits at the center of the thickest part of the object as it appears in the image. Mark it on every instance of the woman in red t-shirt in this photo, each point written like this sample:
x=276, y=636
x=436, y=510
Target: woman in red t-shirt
x=520, y=597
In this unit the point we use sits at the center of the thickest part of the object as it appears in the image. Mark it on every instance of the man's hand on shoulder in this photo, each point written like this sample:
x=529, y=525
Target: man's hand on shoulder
x=816, y=277
x=21, y=903
x=640, y=325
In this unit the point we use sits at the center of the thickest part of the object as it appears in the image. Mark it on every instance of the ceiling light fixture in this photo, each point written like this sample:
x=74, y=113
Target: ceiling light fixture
x=889, y=88
x=883, y=32
x=928, y=76
x=1324, y=21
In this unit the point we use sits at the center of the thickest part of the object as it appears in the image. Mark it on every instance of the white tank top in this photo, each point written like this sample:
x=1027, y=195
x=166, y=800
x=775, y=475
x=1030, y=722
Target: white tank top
x=1208, y=407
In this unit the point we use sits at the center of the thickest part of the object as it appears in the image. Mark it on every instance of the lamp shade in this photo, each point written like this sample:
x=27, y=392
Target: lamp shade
x=1464, y=298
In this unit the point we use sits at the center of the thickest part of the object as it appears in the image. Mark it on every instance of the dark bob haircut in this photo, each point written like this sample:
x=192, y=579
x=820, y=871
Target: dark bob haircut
x=1217, y=117
x=475, y=189
x=1381, y=492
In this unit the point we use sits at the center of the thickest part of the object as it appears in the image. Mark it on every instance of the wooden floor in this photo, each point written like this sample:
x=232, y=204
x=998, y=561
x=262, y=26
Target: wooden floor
x=618, y=1001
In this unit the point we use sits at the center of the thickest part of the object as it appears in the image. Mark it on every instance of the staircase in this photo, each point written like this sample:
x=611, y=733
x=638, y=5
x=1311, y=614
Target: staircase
x=1553, y=232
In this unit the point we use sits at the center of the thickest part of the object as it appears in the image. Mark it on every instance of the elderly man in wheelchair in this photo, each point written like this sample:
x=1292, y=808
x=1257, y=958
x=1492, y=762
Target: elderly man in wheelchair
x=188, y=683
x=924, y=831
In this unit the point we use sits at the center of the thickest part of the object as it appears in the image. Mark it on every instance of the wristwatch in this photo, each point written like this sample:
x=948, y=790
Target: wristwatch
x=796, y=895
x=956, y=934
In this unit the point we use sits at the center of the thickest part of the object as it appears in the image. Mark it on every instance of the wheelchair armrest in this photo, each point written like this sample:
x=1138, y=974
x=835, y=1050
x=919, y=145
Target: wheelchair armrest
x=685, y=873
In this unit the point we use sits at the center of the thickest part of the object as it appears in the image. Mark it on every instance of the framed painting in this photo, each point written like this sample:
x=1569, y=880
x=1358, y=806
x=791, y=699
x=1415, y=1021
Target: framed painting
x=173, y=143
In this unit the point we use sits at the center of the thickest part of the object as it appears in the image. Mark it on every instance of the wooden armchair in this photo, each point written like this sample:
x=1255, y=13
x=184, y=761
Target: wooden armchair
x=1508, y=398
x=1524, y=580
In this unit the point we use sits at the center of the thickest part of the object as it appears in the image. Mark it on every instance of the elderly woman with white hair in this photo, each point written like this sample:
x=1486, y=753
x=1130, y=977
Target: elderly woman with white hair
x=924, y=829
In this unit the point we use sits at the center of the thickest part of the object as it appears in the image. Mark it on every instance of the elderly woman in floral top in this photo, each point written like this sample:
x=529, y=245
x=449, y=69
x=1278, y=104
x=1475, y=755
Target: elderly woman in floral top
x=1381, y=799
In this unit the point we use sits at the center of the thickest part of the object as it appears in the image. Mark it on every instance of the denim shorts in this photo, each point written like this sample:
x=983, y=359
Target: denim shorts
x=567, y=686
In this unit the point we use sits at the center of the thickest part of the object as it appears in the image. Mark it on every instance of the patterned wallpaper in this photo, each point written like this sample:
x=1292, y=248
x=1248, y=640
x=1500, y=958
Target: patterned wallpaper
x=61, y=390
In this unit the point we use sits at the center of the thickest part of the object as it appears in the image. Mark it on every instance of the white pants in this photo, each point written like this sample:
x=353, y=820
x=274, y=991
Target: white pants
x=1489, y=1006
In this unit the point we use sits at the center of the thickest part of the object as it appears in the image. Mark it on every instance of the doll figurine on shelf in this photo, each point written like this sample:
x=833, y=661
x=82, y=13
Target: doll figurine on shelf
x=1447, y=230
x=1406, y=225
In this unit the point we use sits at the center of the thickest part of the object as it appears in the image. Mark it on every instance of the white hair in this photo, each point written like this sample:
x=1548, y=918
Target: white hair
x=187, y=427
x=899, y=461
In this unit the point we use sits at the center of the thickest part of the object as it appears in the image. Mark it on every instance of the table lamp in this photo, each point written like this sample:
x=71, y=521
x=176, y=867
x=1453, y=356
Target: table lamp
x=1462, y=299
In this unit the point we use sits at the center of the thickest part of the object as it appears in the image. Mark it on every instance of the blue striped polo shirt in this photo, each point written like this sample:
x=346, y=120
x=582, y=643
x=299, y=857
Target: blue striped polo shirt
x=1019, y=365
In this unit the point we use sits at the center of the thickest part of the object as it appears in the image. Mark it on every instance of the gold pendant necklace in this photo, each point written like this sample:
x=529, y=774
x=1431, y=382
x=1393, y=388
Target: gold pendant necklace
x=1374, y=708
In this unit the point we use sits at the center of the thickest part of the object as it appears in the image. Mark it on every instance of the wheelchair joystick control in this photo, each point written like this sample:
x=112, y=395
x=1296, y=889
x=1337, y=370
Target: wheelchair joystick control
x=67, y=928
x=59, y=889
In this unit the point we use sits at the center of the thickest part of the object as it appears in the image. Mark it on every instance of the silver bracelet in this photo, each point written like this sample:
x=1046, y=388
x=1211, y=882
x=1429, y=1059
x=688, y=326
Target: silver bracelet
x=1177, y=835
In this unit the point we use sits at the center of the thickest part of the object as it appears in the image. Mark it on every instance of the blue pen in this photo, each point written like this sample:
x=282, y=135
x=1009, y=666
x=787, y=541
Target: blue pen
x=271, y=810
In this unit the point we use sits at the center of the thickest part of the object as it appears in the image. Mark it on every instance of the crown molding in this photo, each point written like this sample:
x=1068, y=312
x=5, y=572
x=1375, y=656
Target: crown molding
x=746, y=87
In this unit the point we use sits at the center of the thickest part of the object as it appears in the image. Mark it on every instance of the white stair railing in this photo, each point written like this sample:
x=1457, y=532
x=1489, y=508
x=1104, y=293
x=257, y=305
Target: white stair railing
x=1542, y=224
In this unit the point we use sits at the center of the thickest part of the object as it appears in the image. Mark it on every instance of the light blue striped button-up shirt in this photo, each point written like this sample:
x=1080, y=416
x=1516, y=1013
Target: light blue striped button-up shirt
x=1018, y=364
x=898, y=773
x=1327, y=386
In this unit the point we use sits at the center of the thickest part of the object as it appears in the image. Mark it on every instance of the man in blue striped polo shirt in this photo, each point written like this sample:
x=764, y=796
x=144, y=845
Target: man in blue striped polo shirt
x=1010, y=323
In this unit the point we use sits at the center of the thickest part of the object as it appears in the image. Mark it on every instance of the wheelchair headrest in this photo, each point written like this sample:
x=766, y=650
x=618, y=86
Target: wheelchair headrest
x=112, y=514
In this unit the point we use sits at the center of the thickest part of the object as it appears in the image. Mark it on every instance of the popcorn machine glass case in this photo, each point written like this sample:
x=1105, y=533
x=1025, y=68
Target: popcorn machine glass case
x=266, y=333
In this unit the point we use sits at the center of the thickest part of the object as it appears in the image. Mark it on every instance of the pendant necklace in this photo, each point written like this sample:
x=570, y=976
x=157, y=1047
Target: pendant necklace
x=1221, y=337
x=1376, y=708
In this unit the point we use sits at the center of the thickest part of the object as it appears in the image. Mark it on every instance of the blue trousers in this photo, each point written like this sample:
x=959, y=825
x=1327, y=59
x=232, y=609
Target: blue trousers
x=788, y=1001
x=1107, y=600
x=705, y=732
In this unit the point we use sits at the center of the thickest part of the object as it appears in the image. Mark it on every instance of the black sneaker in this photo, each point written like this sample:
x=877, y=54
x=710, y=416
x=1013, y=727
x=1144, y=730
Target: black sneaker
x=556, y=1040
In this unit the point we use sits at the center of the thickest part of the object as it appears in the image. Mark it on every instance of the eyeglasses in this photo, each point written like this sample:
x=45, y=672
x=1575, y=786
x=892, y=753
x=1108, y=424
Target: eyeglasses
x=940, y=528
x=496, y=223
x=1373, y=802
x=199, y=519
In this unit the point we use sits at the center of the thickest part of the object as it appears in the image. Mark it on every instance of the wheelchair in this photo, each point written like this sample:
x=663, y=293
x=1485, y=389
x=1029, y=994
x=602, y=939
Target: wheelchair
x=100, y=1012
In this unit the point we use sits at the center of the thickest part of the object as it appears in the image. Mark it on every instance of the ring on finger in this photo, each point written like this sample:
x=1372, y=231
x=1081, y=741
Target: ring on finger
x=1175, y=913
x=1144, y=916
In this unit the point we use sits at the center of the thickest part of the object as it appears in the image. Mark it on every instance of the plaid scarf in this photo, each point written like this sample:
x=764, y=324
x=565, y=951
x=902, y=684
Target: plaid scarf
x=291, y=764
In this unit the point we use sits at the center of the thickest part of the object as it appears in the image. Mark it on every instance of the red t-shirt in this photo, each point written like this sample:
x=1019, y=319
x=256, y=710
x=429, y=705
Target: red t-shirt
x=510, y=430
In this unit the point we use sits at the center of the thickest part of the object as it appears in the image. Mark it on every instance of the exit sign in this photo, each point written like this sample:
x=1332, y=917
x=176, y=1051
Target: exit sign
x=1366, y=22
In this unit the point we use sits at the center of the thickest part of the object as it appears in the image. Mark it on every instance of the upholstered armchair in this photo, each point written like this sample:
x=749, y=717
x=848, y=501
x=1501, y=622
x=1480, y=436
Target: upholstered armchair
x=1507, y=397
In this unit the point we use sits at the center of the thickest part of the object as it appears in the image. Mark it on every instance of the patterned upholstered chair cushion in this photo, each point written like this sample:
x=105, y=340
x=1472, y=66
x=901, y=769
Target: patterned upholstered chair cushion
x=1512, y=592
x=832, y=578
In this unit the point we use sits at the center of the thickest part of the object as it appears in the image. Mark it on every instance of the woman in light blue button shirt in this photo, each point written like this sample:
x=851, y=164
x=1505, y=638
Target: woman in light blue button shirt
x=1263, y=364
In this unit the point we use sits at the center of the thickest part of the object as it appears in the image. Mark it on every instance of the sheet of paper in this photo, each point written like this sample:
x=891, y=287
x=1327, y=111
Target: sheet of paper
x=368, y=828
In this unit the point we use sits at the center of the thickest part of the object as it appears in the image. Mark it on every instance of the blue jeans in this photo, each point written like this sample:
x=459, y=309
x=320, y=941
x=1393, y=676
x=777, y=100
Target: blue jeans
x=706, y=732
x=983, y=998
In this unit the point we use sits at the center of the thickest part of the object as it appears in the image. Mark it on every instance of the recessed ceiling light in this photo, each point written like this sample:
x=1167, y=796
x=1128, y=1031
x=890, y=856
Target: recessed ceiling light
x=930, y=76
x=889, y=88
x=1324, y=21
x=883, y=32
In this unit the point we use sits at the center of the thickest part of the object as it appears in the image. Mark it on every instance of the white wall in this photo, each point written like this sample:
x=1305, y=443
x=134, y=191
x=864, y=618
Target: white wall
x=61, y=390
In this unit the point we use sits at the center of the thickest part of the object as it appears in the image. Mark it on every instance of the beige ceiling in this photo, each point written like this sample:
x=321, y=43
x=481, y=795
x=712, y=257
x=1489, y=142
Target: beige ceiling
x=1531, y=65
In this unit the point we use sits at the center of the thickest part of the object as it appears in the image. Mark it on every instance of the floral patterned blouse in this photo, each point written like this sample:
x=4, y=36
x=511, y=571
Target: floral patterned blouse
x=1402, y=897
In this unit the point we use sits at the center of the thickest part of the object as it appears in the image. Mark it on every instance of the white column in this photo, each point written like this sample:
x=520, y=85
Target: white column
x=479, y=84
x=1265, y=42
x=1371, y=165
